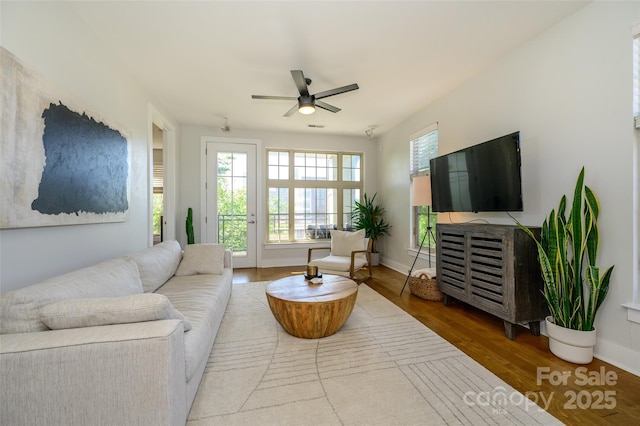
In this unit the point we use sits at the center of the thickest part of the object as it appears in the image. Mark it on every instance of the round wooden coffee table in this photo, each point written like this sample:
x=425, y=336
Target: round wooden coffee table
x=311, y=310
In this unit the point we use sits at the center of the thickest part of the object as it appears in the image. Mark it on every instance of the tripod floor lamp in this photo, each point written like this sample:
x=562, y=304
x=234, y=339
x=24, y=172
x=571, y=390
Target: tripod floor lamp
x=421, y=196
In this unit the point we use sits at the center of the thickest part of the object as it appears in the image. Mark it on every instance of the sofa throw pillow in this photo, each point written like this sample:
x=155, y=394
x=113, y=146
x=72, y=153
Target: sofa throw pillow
x=344, y=242
x=19, y=309
x=202, y=259
x=157, y=264
x=77, y=313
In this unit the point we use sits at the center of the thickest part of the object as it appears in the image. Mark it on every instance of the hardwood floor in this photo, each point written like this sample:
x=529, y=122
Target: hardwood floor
x=598, y=393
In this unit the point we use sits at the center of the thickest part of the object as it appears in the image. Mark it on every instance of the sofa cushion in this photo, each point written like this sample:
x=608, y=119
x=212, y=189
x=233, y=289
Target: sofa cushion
x=19, y=309
x=157, y=264
x=203, y=300
x=202, y=259
x=77, y=313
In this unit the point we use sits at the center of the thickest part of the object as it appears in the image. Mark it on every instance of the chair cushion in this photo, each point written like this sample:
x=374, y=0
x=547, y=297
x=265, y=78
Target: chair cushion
x=202, y=259
x=337, y=263
x=77, y=313
x=344, y=242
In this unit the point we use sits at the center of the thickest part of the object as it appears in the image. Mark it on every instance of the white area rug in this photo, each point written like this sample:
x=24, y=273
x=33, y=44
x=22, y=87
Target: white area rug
x=382, y=368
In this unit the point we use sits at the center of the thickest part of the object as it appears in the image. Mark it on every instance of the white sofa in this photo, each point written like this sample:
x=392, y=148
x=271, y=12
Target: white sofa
x=114, y=350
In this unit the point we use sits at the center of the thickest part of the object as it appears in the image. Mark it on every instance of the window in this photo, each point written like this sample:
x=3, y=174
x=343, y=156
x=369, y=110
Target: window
x=423, y=146
x=158, y=190
x=634, y=312
x=311, y=193
x=636, y=77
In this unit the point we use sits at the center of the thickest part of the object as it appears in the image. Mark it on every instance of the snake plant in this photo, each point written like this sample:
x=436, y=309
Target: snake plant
x=574, y=288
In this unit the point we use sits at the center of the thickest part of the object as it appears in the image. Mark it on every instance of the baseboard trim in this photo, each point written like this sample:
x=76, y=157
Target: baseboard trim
x=620, y=356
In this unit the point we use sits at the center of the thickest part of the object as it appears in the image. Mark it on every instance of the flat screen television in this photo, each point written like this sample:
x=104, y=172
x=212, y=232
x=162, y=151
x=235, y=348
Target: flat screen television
x=482, y=178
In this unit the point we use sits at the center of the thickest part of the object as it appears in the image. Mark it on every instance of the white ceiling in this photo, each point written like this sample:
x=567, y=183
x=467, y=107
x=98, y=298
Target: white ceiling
x=204, y=59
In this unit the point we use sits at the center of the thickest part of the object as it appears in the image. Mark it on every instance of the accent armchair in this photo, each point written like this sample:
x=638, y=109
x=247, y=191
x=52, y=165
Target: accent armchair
x=349, y=253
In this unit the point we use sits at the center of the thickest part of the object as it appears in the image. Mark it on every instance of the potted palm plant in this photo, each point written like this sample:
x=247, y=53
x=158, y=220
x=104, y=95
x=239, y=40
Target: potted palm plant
x=369, y=216
x=574, y=287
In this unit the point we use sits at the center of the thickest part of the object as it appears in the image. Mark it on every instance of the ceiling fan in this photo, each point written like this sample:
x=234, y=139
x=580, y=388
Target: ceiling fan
x=307, y=103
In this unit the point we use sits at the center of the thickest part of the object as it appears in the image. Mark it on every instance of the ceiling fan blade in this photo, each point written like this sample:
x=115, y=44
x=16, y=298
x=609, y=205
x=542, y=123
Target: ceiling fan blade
x=292, y=111
x=277, y=98
x=326, y=106
x=301, y=83
x=336, y=91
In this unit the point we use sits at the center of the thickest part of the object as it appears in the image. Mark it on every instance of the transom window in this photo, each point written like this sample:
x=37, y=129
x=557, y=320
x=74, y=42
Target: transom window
x=311, y=193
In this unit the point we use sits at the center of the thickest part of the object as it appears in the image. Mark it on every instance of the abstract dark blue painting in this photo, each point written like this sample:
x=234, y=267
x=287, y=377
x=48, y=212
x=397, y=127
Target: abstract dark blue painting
x=86, y=165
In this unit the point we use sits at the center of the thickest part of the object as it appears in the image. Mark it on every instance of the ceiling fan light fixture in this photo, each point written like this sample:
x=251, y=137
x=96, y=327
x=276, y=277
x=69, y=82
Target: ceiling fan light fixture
x=307, y=102
x=307, y=109
x=306, y=105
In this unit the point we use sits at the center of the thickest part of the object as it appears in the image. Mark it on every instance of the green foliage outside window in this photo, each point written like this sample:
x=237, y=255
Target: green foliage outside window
x=426, y=217
x=157, y=213
x=232, y=207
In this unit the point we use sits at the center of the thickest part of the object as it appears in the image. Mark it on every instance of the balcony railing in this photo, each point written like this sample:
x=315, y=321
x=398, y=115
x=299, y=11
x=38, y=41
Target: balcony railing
x=232, y=232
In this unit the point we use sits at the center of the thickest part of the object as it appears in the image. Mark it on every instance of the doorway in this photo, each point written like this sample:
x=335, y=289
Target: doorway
x=231, y=200
x=162, y=177
x=158, y=185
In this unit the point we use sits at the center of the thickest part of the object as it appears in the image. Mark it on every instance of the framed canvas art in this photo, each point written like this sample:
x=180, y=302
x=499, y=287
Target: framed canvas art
x=61, y=162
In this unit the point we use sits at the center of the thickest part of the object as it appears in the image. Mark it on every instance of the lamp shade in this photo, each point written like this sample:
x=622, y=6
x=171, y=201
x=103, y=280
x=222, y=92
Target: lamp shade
x=421, y=191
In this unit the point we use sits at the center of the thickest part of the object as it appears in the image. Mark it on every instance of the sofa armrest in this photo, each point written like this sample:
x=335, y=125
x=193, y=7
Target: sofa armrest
x=228, y=259
x=116, y=374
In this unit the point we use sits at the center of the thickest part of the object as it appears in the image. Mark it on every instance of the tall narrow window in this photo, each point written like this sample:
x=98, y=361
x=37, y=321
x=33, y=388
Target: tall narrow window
x=232, y=201
x=423, y=146
x=158, y=189
x=636, y=78
x=636, y=115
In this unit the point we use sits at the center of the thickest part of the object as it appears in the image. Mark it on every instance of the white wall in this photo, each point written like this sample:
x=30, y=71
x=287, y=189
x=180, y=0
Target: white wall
x=569, y=93
x=268, y=255
x=51, y=39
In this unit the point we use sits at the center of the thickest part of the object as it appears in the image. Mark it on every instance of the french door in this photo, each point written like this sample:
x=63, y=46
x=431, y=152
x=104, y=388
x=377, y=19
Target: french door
x=231, y=199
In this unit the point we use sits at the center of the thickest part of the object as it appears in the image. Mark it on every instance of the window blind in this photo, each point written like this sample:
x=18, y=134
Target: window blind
x=423, y=147
x=158, y=172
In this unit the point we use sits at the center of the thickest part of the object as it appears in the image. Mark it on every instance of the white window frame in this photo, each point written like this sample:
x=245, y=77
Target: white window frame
x=419, y=166
x=636, y=75
x=291, y=184
x=633, y=308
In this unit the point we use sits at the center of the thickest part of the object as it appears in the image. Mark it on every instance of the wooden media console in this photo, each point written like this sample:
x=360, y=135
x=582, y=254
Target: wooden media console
x=494, y=268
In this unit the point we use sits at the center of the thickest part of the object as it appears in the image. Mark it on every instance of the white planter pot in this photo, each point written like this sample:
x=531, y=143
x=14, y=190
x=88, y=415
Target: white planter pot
x=571, y=345
x=375, y=259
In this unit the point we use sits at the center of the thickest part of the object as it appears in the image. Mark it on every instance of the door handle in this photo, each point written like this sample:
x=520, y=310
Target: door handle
x=251, y=221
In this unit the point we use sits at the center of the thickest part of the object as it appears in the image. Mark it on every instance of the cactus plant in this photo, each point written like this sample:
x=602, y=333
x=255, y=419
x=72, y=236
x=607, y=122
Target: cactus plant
x=189, y=226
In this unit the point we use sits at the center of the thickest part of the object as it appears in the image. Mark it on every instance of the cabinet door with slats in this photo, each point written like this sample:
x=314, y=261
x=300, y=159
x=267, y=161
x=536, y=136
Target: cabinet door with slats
x=489, y=271
x=451, y=262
